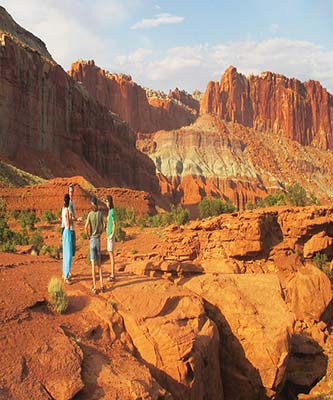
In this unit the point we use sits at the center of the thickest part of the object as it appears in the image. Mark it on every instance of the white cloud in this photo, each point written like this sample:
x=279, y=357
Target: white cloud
x=191, y=67
x=274, y=28
x=73, y=29
x=159, y=19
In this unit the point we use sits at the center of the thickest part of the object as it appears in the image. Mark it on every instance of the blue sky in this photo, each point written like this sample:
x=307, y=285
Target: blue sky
x=186, y=43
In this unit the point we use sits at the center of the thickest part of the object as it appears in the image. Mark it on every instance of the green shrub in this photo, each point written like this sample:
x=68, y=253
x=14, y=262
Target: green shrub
x=58, y=213
x=58, y=298
x=125, y=216
x=214, y=207
x=15, y=214
x=276, y=199
x=28, y=219
x=320, y=260
x=134, y=251
x=48, y=216
x=296, y=195
x=83, y=236
x=180, y=215
x=36, y=240
x=249, y=206
x=120, y=234
x=52, y=251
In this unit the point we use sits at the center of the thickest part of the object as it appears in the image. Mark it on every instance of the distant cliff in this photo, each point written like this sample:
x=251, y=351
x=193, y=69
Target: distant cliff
x=301, y=111
x=144, y=110
x=50, y=126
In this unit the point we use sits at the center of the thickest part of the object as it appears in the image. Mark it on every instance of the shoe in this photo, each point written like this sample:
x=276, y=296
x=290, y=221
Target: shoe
x=93, y=290
x=103, y=289
x=68, y=281
x=111, y=278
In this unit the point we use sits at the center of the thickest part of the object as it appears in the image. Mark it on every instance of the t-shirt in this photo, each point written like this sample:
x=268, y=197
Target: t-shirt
x=95, y=220
x=111, y=218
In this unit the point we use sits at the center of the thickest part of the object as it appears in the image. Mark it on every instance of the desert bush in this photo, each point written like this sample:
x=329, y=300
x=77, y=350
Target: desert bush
x=249, y=206
x=83, y=236
x=134, y=251
x=276, y=199
x=296, y=195
x=48, y=216
x=15, y=214
x=58, y=213
x=58, y=298
x=179, y=215
x=125, y=216
x=52, y=251
x=37, y=240
x=28, y=219
x=120, y=234
x=320, y=260
x=214, y=207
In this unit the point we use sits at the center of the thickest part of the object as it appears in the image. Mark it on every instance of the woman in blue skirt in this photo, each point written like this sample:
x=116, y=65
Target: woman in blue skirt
x=67, y=246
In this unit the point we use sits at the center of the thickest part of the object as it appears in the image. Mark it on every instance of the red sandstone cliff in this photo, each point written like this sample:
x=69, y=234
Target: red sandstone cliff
x=50, y=126
x=301, y=111
x=145, y=111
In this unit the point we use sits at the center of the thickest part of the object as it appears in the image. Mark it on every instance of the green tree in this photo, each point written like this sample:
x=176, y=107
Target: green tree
x=296, y=195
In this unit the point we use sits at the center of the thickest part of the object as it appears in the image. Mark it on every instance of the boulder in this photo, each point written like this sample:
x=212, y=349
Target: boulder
x=255, y=327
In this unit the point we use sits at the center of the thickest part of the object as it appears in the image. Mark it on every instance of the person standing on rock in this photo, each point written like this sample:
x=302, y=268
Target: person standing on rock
x=67, y=250
x=110, y=235
x=94, y=227
x=72, y=213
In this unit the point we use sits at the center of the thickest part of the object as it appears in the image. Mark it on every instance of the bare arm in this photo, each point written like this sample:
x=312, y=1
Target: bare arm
x=68, y=218
x=87, y=228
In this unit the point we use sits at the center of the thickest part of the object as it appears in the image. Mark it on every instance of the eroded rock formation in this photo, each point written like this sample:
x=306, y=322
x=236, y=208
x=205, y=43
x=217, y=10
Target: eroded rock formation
x=300, y=111
x=51, y=126
x=145, y=111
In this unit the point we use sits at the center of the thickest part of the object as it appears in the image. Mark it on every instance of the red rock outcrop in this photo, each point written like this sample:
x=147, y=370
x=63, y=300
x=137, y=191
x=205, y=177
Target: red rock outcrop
x=301, y=111
x=145, y=111
x=255, y=339
x=50, y=125
x=174, y=337
x=185, y=98
x=50, y=196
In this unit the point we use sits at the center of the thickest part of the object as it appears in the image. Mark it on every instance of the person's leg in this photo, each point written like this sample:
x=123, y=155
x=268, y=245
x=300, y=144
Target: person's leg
x=110, y=244
x=111, y=255
x=99, y=260
x=92, y=259
x=73, y=242
x=67, y=255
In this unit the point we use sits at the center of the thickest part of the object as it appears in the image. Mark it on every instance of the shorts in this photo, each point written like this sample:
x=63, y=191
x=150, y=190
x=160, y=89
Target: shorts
x=110, y=243
x=95, y=249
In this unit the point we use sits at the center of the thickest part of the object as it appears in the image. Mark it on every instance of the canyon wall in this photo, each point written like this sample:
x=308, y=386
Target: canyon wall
x=300, y=111
x=50, y=126
x=144, y=110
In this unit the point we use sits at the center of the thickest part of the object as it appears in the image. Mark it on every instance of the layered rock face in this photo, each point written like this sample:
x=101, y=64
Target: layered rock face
x=256, y=287
x=300, y=111
x=51, y=126
x=145, y=111
x=215, y=158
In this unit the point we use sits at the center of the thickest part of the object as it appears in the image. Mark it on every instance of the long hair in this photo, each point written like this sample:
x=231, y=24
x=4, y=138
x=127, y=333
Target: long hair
x=110, y=200
x=66, y=200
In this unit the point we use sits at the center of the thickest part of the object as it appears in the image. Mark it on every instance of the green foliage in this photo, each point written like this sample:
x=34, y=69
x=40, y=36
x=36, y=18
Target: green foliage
x=134, y=251
x=36, y=240
x=178, y=215
x=83, y=236
x=214, y=207
x=58, y=213
x=276, y=199
x=320, y=260
x=28, y=219
x=125, y=216
x=296, y=195
x=15, y=214
x=120, y=234
x=249, y=206
x=48, y=216
x=52, y=251
x=58, y=298
x=313, y=199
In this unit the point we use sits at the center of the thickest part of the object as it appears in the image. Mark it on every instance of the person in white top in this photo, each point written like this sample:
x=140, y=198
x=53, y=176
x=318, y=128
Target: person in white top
x=67, y=250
